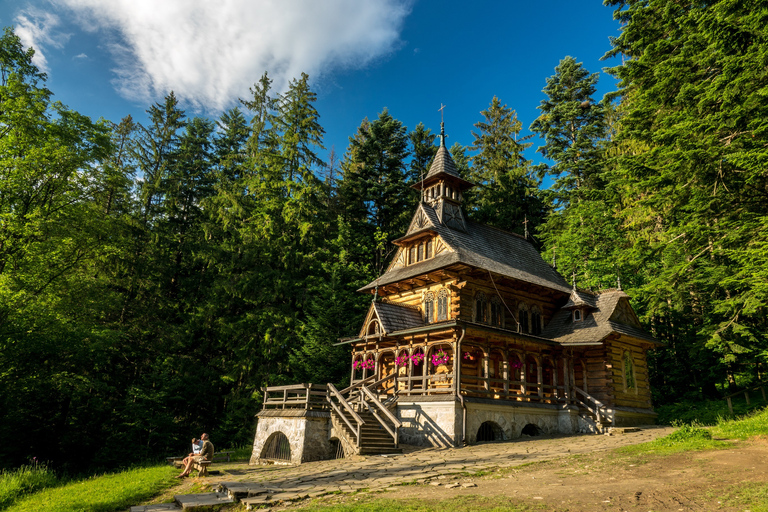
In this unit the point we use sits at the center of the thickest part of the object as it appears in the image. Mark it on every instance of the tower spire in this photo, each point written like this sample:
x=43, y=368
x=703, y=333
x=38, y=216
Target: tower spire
x=442, y=125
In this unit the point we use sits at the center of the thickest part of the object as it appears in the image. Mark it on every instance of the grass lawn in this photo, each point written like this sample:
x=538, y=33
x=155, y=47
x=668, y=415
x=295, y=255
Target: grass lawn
x=106, y=493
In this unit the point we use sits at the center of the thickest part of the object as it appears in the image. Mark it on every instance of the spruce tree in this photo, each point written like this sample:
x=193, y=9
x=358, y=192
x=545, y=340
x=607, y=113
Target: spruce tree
x=694, y=182
x=508, y=194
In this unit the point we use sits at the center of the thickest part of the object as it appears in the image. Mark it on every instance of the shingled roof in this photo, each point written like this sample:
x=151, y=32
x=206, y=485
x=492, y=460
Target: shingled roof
x=580, y=299
x=395, y=317
x=485, y=247
x=597, y=324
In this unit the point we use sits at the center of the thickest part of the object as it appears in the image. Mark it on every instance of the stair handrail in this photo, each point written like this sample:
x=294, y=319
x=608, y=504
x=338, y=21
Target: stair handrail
x=357, y=384
x=391, y=417
x=356, y=429
x=598, y=404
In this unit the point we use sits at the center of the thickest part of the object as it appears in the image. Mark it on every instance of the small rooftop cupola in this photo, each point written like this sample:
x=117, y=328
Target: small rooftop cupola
x=443, y=189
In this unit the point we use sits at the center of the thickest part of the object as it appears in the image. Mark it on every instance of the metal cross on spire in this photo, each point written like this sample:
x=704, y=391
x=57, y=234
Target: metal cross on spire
x=442, y=124
x=525, y=222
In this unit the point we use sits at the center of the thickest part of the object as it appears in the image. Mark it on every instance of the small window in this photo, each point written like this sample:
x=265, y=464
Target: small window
x=481, y=306
x=428, y=246
x=630, y=384
x=577, y=315
x=536, y=320
x=420, y=255
x=496, y=312
x=429, y=307
x=412, y=255
x=442, y=305
x=522, y=312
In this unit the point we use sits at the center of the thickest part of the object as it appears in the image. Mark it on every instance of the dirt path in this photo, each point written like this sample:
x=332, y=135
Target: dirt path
x=579, y=473
x=692, y=481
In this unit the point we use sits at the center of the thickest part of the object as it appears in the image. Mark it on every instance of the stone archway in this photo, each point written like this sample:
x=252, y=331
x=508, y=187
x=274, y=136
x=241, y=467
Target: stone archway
x=277, y=448
x=489, y=431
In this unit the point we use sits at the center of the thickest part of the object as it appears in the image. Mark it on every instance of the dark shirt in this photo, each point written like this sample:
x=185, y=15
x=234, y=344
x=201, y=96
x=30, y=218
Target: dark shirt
x=207, y=450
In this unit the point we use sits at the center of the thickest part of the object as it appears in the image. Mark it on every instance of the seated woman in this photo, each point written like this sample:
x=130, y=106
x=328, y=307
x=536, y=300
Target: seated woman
x=206, y=453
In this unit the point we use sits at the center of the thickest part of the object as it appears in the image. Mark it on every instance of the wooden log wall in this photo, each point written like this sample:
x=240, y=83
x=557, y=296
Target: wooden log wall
x=640, y=396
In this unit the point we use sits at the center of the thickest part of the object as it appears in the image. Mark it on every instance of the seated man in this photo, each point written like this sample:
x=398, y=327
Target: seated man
x=206, y=453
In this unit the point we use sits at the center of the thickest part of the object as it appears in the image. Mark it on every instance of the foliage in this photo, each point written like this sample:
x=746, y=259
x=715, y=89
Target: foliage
x=105, y=493
x=707, y=412
x=744, y=427
x=24, y=480
x=508, y=195
x=693, y=180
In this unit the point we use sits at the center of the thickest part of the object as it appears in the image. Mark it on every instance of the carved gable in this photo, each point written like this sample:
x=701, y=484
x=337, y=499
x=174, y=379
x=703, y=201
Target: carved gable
x=420, y=221
x=624, y=314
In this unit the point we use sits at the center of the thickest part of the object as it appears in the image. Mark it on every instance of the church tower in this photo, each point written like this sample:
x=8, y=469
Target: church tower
x=443, y=189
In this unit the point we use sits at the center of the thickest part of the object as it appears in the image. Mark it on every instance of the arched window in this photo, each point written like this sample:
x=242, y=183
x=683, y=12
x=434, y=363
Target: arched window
x=630, y=384
x=442, y=305
x=577, y=315
x=373, y=328
x=481, y=308
x=522, y=317
x=536, y=325
x=497, y=312
x=429, y=307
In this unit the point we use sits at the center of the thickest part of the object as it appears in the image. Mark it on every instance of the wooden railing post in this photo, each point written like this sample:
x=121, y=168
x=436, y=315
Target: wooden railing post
x=730, y=405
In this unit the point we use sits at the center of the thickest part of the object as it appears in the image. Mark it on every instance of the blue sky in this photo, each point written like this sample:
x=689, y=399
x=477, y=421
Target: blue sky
x=111, y=58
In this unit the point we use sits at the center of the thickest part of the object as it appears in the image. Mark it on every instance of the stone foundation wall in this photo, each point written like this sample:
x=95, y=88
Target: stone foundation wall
x=309, y=437
x=511, y=420
x=430, y=423
x=440, y=423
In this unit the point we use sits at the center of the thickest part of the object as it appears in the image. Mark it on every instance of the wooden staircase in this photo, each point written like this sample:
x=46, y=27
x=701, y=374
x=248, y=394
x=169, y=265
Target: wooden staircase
x=366, y=424
x=591, y=411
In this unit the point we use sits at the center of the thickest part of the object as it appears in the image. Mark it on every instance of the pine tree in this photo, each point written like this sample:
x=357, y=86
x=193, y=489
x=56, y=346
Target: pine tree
x=572, y=124
x=423, y=152
x=374, y=188
x=509, y=194
x=694, y=184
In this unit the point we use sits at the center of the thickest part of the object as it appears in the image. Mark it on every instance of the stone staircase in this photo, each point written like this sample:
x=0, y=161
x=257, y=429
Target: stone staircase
x=374, y=439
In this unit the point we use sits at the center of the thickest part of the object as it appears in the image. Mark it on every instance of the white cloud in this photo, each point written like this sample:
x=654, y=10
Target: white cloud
x=209, y=53
x=80, y=56
x=39, y=29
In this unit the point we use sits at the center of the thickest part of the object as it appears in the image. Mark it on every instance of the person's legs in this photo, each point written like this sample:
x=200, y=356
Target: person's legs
x=187, y=466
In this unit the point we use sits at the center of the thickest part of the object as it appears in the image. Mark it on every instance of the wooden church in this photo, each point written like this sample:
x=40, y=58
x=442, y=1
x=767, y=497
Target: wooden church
x=471, y=336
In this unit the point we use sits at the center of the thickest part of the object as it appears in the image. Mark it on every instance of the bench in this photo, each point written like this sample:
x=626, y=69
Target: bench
x=202, y=467
x=222, y=456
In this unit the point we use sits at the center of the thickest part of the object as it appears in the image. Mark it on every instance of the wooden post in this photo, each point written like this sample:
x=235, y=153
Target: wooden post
x=309, y=393
x=746, y=396
x=762, y=389
x=730, y=405
x=540, y=377
x=523, y=374
x=506, y=372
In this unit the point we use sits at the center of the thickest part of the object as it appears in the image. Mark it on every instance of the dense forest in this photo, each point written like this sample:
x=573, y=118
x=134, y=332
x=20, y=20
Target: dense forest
x=154, y=277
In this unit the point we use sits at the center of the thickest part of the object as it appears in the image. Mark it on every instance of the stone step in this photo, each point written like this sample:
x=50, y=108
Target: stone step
x=208, y=499
x=155, y=508
x=241, y=490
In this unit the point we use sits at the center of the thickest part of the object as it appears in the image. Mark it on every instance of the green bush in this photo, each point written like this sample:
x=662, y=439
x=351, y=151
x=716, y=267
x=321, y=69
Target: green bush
x=692, y=432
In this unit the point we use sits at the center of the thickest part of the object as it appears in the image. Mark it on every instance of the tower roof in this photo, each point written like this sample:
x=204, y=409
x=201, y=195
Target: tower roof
x=443, y=167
